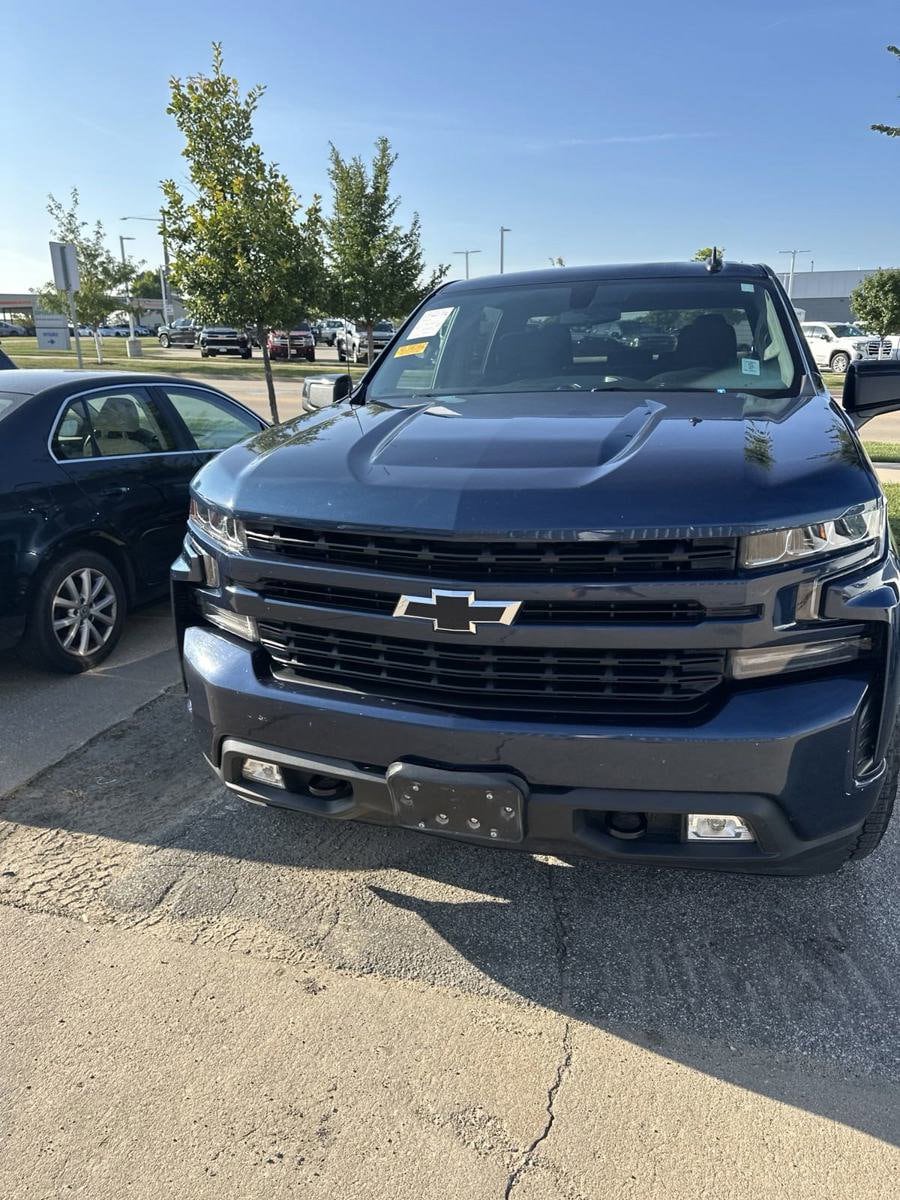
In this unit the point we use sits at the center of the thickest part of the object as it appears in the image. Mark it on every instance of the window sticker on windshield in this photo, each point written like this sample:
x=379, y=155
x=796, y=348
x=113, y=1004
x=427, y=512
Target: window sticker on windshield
x=410, y=348
x=429, y=323
x=750, y=366
x=748, y=287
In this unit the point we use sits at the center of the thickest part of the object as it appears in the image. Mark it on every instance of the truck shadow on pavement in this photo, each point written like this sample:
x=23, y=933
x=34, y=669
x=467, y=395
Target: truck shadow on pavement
x=787, y=987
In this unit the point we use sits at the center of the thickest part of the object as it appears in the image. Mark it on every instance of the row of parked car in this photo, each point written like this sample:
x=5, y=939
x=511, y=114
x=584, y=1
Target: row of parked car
x=299, y=341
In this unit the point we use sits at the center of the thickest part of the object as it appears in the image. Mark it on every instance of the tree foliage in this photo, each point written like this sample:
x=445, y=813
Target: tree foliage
x=376, y=267
x=704, y=254
x=876, y=302
x=145, y=286
x=890, y=130
x=102, y=274
x=244, y=252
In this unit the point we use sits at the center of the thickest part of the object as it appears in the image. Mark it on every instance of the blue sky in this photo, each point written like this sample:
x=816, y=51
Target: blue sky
x=598, y=132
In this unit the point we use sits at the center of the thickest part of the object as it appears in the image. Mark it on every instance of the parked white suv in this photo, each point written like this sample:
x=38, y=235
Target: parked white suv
x=350, y=343
x=835, y=345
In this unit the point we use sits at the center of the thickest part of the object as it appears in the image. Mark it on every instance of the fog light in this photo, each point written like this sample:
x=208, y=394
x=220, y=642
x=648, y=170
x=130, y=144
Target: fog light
x=796, y=656
x=232, y=622
x=259, y=771
x=715, y=827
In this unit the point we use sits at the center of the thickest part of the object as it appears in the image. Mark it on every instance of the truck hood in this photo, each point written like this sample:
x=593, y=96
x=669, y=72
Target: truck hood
x=552, y=464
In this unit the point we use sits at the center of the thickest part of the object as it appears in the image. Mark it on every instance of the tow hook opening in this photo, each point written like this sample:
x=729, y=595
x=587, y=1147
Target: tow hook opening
x=628, y=826
x=327, y=787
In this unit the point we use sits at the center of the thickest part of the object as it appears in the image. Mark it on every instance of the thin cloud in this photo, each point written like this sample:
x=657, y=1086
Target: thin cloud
x=635, y=139
x=533, y=146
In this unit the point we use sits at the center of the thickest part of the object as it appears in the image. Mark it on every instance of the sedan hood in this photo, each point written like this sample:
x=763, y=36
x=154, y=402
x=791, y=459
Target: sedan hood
x=548, y=465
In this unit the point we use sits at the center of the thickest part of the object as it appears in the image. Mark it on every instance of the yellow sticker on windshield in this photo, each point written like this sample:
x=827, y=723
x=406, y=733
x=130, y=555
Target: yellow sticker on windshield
x=410, y=348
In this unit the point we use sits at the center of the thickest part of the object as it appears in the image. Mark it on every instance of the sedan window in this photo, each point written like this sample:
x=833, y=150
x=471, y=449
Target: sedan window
x=213, y=423
x=109, y=425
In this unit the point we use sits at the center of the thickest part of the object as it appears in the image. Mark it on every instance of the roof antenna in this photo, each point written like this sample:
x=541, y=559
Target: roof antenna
x=714, y=262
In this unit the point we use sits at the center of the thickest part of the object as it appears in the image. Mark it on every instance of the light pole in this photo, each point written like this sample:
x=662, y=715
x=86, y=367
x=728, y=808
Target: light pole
x=503, y=230
x=793, y=254
x=467, y=253
x=133, y=346
x=168, y=312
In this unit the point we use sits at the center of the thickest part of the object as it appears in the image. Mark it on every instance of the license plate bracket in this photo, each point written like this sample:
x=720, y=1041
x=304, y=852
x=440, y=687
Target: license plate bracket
x=480, y=806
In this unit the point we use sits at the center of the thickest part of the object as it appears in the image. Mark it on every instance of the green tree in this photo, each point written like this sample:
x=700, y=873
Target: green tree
x=704, y=254
x=876, y=302
x=376, y=267
x=145, y=285
x=102, y=274
x=890, y=130
x=243, y=253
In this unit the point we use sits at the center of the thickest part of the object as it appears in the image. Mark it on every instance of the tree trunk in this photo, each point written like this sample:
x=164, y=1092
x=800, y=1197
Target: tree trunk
x=98, y=346
x=370, y=344
x=267, y=371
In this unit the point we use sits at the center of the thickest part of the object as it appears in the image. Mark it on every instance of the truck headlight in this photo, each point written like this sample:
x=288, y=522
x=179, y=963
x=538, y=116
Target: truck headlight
x=224, y=529
x=861, y=526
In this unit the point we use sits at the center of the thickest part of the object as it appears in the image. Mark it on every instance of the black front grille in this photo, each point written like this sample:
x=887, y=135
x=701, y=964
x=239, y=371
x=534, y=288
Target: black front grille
x=518, y=681
x=532, y=612
x=523, y=560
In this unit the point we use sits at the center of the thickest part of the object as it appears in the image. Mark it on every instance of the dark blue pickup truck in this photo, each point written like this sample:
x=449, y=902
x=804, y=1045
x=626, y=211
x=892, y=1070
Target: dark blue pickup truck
x=589, y=561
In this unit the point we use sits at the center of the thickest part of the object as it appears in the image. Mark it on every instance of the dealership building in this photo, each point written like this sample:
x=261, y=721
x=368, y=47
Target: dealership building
x=19, y=308
x=825, y=295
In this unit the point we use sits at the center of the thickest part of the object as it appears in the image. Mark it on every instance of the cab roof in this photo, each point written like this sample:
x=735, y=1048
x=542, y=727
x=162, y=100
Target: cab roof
x=665, y=270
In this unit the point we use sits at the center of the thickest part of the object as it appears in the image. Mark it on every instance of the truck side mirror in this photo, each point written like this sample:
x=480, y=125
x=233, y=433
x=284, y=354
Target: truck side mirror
x=871, y=388
x=321, y=391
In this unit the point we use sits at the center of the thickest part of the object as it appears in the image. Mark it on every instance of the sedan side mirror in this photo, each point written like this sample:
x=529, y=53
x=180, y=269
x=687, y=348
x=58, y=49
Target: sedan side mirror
x=871, y=388
x=321, y=391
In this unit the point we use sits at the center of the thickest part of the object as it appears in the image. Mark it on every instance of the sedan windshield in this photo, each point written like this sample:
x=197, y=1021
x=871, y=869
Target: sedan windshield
x=665, y=334
x=11, y=400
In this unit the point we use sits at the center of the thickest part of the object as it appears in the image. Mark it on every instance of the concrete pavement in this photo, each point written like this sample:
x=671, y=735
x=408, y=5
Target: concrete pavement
x=46, y=715
x=202, y=998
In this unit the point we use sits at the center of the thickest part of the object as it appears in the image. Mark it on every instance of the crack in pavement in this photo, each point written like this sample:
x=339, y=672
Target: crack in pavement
x=563, y=958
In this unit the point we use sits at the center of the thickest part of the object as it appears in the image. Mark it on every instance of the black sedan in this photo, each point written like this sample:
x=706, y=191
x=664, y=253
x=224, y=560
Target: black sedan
x=94, y=473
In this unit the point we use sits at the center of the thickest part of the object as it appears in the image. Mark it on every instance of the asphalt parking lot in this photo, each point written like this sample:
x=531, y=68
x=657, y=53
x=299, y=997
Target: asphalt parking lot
x=204, y=998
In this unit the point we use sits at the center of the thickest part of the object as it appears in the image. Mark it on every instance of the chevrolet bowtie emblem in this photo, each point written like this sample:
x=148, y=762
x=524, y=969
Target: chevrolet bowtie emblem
x=457, y=612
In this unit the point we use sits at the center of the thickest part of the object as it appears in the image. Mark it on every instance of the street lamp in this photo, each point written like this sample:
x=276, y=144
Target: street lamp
x=793, y=254
x=133, y=345
x=467, y=253
x=503, y=229
x=164, y=280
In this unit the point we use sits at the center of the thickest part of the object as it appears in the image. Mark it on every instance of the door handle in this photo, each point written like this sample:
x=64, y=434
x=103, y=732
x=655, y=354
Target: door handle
x=121, y=490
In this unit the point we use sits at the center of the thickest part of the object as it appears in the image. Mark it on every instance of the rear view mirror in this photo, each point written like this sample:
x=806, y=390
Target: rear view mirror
x=321, y=391
x=871, y=388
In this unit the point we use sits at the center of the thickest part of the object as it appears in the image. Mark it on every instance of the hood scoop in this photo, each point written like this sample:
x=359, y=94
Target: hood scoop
x=498, y=435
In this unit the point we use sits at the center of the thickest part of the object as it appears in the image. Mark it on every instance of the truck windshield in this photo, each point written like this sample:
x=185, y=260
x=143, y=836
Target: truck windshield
x=848, y=331
x=666, y=334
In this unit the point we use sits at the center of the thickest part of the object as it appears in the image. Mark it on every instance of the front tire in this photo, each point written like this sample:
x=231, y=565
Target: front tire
x=246, y=353
x=204, y=353
x=876, y=823
x=840, y=362
x=164, y=341
x=77, y=613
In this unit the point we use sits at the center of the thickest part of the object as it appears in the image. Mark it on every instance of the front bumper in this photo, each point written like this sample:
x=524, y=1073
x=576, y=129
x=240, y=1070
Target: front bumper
x=779, y=755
